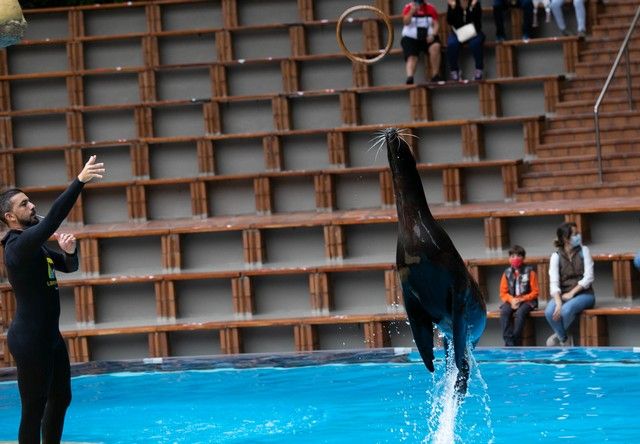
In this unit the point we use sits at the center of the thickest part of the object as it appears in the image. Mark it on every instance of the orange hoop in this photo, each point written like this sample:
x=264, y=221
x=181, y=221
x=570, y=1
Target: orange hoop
x=379, y=13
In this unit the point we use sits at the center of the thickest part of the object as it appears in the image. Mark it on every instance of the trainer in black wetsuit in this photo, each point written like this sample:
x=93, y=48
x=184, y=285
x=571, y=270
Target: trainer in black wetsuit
x=34, y=337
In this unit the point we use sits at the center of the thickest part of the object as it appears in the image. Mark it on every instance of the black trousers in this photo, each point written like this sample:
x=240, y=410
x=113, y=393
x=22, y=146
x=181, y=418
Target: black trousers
x=512, y=328
x=44, y=382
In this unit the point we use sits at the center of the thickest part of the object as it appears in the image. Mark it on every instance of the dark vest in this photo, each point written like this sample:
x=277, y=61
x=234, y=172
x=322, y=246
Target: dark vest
x=571, y=270
x=523, y=280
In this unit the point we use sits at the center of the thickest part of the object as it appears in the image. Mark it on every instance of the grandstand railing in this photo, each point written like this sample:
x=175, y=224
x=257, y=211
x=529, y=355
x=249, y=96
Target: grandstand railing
x=624, y=51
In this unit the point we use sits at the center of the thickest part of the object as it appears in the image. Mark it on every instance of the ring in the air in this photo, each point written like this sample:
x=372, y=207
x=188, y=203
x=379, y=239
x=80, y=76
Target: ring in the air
x=379, y=13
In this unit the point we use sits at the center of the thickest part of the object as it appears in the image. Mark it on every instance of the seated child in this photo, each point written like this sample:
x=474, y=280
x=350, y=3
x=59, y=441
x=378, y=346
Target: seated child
x=519, y=293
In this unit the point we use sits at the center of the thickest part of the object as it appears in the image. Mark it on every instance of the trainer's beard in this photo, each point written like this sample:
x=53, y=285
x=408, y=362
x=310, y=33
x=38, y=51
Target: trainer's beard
x=30, y=221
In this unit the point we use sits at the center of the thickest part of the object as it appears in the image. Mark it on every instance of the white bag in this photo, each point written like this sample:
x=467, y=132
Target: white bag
x=465, y=32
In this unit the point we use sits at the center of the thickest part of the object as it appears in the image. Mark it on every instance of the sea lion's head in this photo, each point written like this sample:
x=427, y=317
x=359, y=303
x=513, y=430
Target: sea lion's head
x=401, y=159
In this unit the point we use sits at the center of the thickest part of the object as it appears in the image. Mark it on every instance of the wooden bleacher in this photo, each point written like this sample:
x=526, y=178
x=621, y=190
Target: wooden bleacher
x=243, y=213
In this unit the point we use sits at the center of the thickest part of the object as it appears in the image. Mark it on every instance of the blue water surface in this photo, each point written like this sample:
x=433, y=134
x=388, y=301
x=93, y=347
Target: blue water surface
x=523, y=396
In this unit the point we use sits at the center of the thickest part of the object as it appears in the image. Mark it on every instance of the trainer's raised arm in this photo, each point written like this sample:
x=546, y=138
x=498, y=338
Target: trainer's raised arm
x=91, y=170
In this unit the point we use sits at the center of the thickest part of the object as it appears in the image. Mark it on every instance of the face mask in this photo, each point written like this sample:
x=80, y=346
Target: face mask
x=576, y=240
x=515, y=262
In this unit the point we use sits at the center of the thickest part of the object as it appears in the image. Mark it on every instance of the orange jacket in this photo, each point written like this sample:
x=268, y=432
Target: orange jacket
x=533, y=282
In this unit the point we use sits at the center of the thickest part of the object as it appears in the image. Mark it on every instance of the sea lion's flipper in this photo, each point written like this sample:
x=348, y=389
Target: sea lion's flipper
x=460, y=329
x=421, y=327
x=459, y=334
x=463, y=378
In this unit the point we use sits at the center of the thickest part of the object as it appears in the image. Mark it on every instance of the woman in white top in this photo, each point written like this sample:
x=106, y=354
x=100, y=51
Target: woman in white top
x=570, y=283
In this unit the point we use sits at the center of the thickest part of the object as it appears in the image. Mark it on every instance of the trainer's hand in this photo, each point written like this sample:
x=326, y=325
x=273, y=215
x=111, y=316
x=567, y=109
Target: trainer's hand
x=91, y=170
x=67, y=242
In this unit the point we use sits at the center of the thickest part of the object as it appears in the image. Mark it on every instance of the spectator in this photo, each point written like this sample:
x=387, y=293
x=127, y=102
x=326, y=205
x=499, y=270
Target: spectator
x=556, y=8
x=460, y=13
x=420, y=34
x=570, y=279
x=499, y=8
x=519, y=293
x=541, y=4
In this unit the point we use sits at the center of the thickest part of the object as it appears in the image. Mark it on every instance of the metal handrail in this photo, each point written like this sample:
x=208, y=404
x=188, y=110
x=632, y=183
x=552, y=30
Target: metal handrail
x=624, y=50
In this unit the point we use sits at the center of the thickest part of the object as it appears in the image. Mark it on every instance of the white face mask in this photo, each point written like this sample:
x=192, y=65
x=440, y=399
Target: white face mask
x=575, y=240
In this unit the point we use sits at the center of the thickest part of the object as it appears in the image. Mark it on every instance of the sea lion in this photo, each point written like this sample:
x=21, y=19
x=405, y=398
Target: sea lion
x=436, y=285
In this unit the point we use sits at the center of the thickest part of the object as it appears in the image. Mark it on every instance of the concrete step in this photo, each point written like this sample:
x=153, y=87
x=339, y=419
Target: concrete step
x=608, y=105
x=607, y=54
x=596, y=80
x=609, y=42
x=586, y=121
x=620, y=6
x=587, y=135
x=584, y=162
x=571, y=192
x=617, y=31
x=608, y=146
x=613, y=17
x=616, y=90
x=587, y=176
x=602, y=68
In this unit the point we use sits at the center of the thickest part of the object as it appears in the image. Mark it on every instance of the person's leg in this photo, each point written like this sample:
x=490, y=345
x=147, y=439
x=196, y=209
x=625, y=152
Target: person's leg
x=410, y=51
x=505, y=322
x=32, y=382
x=59, y=396
x=573, y=307
x=453, y=53
x=558, y=16
x=34, y=368
x=581, y=15
x=434, y=59
x=557, y=326
x=476, y=45
x=499, y=7
x=412, y=62
x=527, y=18
x=519, y=320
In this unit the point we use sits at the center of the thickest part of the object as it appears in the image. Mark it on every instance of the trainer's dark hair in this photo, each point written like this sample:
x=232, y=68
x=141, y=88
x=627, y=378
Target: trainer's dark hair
x=5, y=201
x=517, y=249
x=563, y=233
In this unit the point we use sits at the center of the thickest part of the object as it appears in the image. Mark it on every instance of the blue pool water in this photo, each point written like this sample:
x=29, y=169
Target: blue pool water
x=523, y=396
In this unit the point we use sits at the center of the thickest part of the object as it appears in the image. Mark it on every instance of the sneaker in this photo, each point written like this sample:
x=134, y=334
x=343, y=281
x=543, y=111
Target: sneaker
x=500, y=38
x=553, y=340
x=567, y=342
x=525, y=38
x=409, y=80
x=565, y=32
x=478, y=75
x=437, y=78
x=582, y=34
x=454, y=75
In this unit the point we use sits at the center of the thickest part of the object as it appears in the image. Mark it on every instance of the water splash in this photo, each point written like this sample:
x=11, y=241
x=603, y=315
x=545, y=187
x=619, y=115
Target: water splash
x=450, y=420
x=444, y=407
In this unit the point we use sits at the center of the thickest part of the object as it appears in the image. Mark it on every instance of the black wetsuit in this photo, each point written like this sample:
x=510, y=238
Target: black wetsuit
x=34, y=337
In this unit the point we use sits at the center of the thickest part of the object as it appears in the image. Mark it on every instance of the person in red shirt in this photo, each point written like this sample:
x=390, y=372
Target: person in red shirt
x=420, y=34
x=519, y=293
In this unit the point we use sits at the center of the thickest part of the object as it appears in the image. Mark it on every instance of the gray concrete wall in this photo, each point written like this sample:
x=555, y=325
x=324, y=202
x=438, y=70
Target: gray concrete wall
x=285, y=295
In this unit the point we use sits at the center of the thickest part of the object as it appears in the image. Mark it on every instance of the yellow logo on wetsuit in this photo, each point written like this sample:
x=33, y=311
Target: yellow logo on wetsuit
x=52, y=274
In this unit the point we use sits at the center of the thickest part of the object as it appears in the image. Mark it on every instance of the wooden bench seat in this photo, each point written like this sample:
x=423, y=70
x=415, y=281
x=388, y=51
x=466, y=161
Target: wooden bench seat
x=593, y=330
x=550, y=83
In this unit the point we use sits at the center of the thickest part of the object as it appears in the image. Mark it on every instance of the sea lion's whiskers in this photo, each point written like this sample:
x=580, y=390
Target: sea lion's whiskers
x=379, y=141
